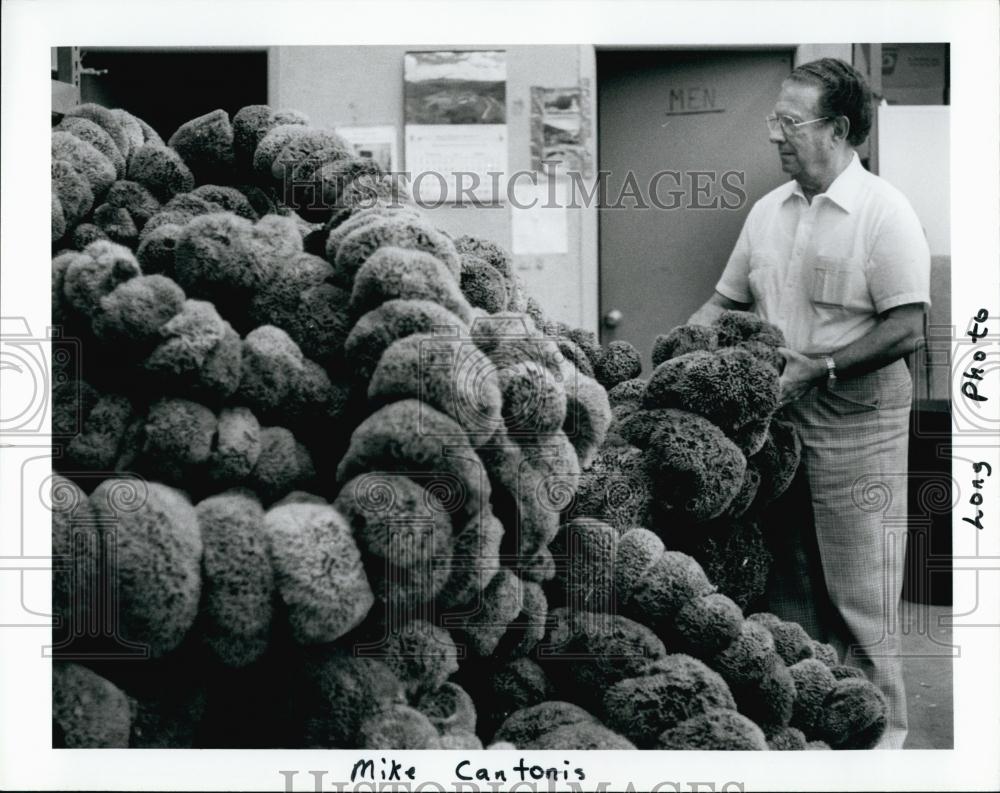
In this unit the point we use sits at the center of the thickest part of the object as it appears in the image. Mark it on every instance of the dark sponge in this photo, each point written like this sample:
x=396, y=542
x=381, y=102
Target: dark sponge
x=786, y=739
x=404, y=532
x=422, y=655
x=337, y=691
x=402, y=232
x=438, y=452
x=730, y=387
x=716, y=730
x=580, y=736
x=750, y=658
x=620, y=361
x=396, y=273
x=790, y=639
x=734, y=327
x=855, y=715
x=238, y=582
x=813, y=683
x=483, y=285
x=228, y=198
x=615, y=489
x=392, y=320
x=735, y=557
x=450, y=709
x=160, y=170
x=672, y=690
x=768, y=701
x=205, y=143
x=136, y=199
x=398, y=727
x=682, y=340
x=73, y=191
x=88, y=711
x=586, y=653
x=777, y=460
x=528, y=724
x=506, y=689
x=696, y=470
x=706, y=625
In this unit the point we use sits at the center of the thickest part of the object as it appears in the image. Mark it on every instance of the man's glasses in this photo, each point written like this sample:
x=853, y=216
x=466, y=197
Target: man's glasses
x=787, y=125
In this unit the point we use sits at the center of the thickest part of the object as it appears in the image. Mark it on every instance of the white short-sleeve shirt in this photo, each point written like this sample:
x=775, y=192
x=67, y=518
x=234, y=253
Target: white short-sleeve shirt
x=824, y=271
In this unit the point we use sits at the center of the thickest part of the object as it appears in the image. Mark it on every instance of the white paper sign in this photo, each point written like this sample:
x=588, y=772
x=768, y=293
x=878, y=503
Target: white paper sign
x=376, y=143
x=538, y=217
x=456, y=162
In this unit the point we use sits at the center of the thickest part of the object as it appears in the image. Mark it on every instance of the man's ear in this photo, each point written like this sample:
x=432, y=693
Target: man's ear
x=841, y=127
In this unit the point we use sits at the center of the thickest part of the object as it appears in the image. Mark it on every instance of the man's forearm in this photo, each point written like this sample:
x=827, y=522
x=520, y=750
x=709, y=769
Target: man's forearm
x=713, y=307
x=894, y=337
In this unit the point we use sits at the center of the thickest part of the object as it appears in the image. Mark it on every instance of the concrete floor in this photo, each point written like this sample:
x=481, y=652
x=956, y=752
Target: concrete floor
x=927, y=672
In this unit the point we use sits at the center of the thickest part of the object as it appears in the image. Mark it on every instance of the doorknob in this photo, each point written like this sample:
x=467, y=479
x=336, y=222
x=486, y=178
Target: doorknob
x=613, y=318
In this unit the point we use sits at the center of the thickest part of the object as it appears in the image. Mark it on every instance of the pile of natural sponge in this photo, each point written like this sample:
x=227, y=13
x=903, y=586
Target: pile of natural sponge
x=699, y=449
x=325, y=459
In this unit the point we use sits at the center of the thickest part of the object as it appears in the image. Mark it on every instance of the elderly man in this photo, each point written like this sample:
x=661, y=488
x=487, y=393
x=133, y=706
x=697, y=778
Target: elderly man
x=837, y=259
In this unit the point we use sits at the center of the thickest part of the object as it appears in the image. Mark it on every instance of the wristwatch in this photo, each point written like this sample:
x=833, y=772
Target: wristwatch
x=831, y=370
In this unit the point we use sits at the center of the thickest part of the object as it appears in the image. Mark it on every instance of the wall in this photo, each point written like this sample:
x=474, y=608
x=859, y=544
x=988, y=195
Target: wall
x=353, y=86
x=811, y=52
x=909, y=135
x=912, y=135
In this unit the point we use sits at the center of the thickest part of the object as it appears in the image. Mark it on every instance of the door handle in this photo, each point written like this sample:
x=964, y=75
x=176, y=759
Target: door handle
x=613, y=318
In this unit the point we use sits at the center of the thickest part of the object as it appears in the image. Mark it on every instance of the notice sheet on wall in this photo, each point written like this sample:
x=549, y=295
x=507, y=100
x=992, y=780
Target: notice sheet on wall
x=456, y=125
x=376, y=143
x=538, y=218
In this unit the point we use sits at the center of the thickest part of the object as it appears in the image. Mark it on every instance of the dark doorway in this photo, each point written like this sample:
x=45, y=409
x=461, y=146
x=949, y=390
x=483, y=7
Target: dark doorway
x=166, y=87
x=699, y=115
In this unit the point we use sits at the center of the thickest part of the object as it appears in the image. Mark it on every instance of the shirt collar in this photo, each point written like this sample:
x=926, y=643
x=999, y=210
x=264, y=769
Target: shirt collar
x=844, y=189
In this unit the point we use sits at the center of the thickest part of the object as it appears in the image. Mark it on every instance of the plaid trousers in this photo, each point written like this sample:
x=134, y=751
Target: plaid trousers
x=841, y=575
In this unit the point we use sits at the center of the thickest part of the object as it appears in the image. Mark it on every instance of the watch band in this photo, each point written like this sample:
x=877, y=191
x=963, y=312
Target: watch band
x=831, y=369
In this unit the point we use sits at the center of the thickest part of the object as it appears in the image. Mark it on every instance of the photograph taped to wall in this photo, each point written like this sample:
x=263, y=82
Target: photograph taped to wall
x=560, y=127
x=447, y=87
x=375, y=143
x=456, y=131
x=254, y=470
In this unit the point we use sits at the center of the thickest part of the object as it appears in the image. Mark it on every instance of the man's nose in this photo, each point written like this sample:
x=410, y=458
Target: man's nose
x=776, y=136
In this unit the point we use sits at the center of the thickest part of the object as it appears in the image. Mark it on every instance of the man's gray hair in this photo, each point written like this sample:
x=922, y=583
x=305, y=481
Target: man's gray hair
x=843, y=92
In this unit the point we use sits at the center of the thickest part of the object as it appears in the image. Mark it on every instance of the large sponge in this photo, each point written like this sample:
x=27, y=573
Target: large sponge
x=205, y=143
x=670, y=691
x=88, y=711
x=318, y=571
x=158, y=550
x=238, y=581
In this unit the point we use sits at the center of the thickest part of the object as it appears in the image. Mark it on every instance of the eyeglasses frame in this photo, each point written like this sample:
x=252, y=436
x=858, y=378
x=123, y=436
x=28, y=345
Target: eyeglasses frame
x=795, y=124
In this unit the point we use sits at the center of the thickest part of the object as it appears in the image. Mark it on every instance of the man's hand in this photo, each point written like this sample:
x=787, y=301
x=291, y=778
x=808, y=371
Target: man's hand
x=799, y=375
x=713, y=307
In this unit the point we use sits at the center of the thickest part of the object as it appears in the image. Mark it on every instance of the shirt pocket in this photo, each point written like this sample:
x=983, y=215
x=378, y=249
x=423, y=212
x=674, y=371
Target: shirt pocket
x=833, y=281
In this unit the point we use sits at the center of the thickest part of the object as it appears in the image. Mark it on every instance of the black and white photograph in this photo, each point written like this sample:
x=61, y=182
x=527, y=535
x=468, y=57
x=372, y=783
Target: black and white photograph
x=466, y=87
x=638, y=419
x=559, y=125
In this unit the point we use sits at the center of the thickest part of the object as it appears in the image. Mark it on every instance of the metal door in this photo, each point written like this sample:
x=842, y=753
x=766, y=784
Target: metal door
x=682, y=134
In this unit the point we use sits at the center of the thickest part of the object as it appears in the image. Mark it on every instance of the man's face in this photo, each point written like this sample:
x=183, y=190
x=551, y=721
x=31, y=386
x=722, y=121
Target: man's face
x=808, y=149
